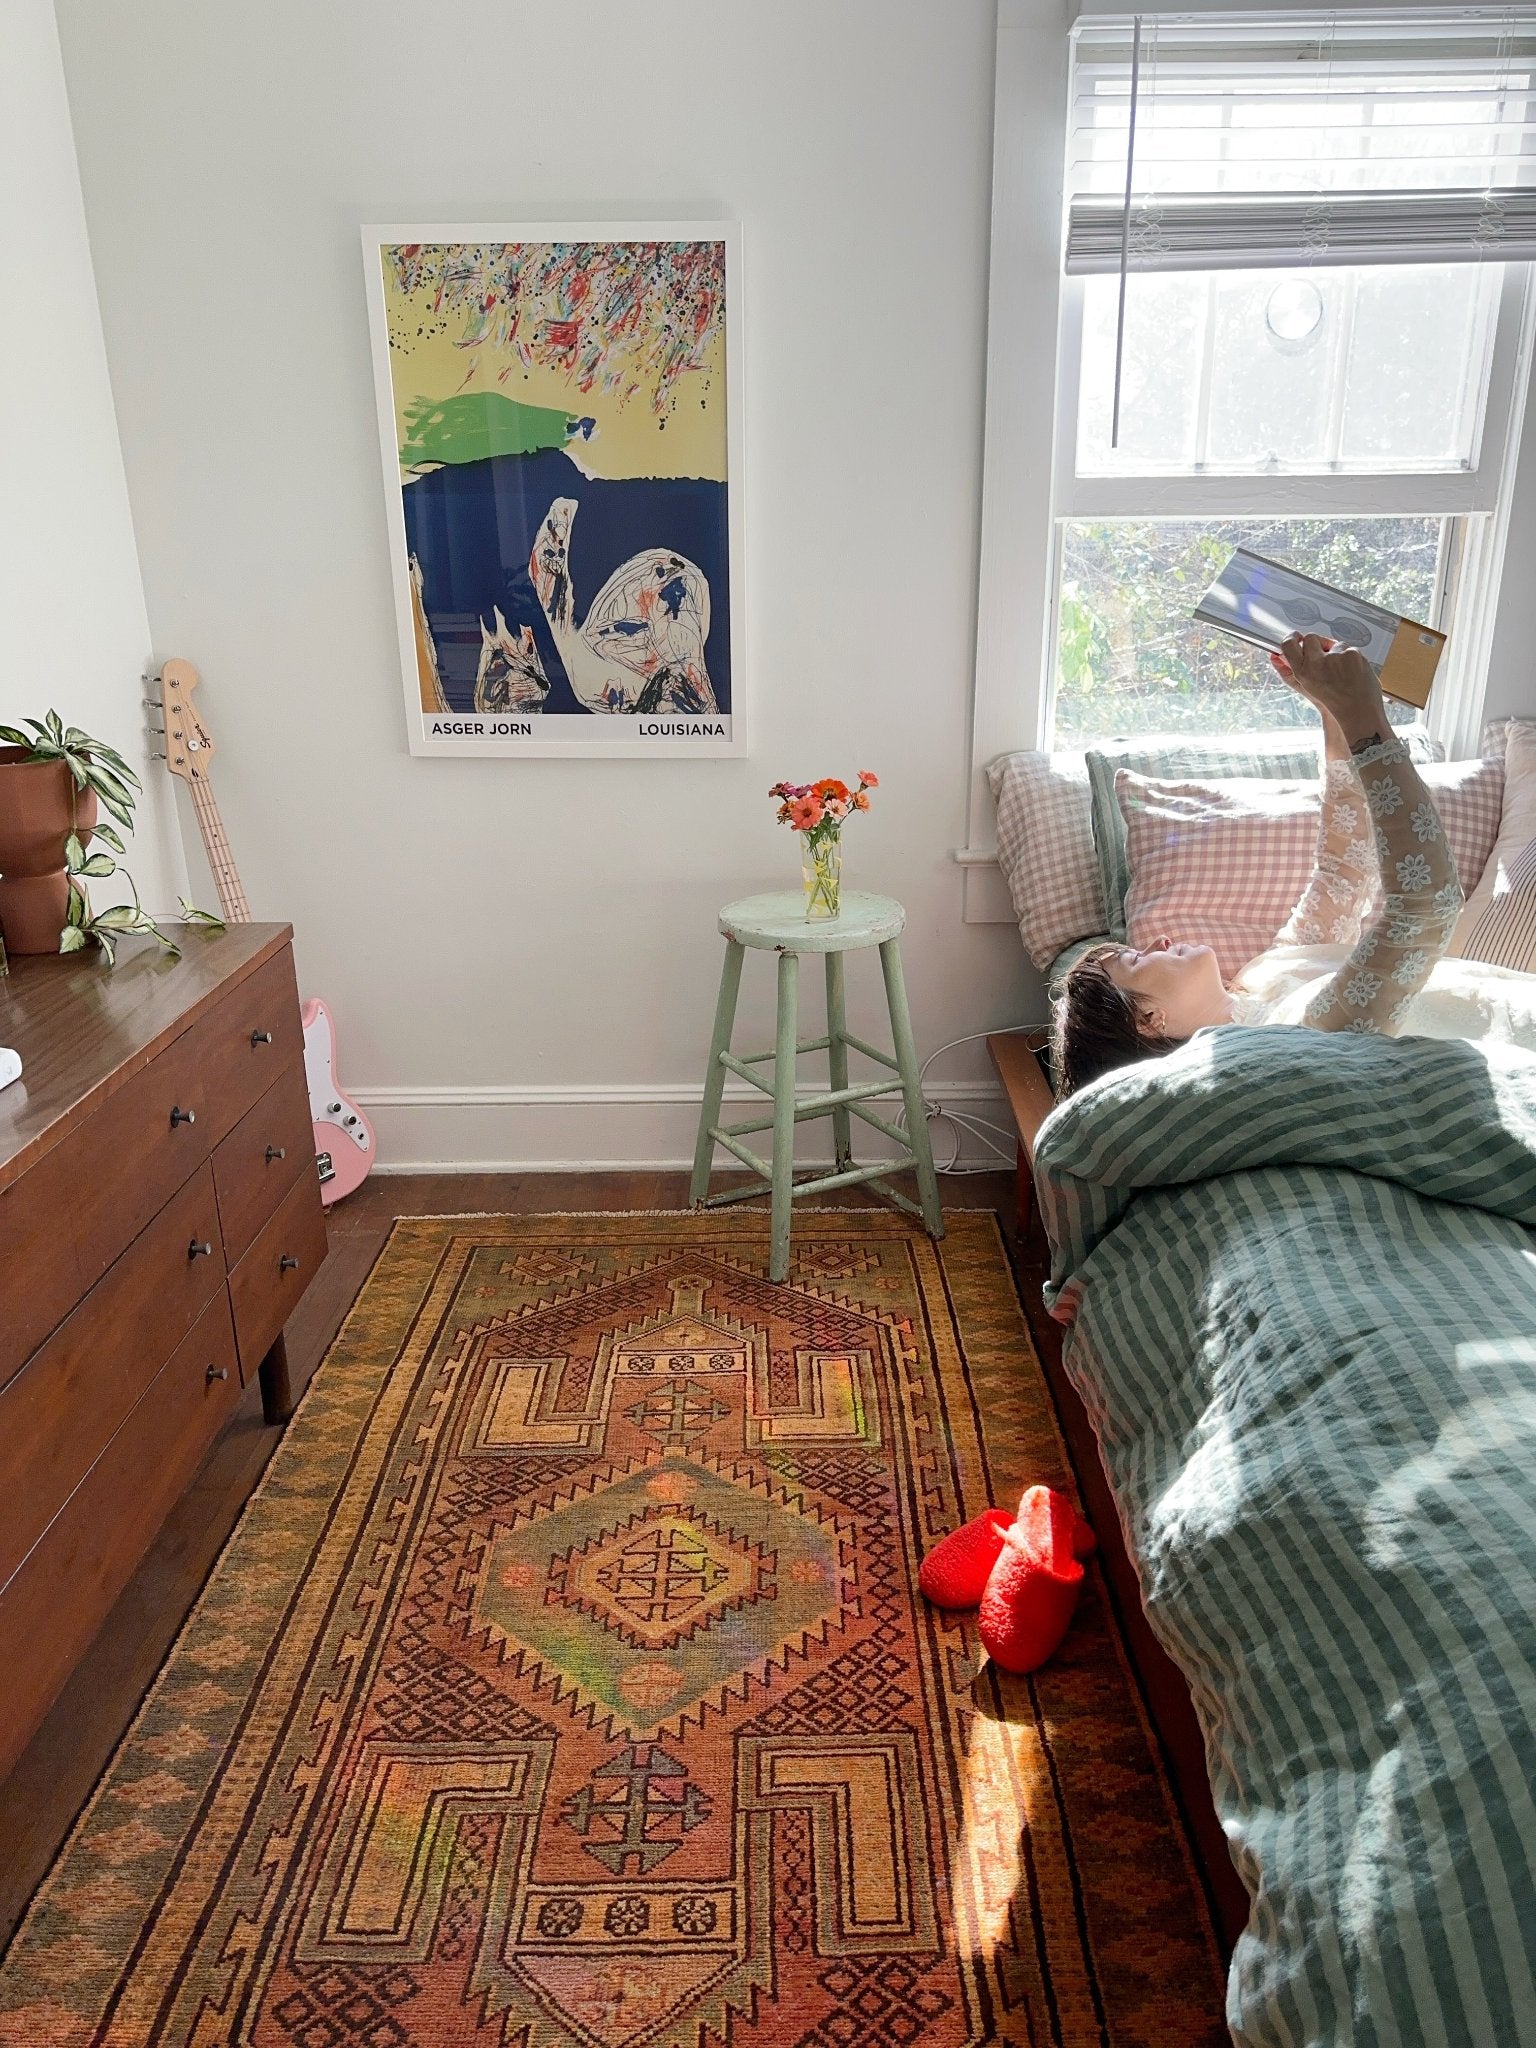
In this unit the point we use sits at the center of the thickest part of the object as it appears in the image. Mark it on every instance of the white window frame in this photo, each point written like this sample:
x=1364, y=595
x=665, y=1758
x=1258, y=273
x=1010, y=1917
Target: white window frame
x=1027, y=488
x=1479, y=493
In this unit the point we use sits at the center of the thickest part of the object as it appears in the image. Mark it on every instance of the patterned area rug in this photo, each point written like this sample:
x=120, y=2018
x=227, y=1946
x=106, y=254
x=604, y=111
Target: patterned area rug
x=566, y=1686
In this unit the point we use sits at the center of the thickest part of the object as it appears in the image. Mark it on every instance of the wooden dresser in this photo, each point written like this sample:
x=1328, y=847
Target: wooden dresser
x=159, y=1218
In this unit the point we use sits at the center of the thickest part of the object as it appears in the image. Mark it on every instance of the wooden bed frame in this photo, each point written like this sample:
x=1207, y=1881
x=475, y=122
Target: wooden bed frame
x=1016, y=1055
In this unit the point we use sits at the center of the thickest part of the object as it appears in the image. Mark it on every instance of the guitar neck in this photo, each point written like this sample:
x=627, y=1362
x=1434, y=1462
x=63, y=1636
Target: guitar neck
x=226, y=876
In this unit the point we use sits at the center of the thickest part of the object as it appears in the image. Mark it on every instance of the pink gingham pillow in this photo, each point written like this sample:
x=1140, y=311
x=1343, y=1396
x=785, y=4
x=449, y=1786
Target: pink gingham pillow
x=1045, y=849
x=1221, y=863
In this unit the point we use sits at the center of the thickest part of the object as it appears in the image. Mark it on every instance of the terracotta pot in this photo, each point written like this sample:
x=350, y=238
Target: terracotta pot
x=39, y=808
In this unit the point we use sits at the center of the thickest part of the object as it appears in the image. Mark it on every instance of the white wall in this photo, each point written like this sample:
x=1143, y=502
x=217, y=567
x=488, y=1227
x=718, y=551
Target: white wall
x=73, y=629
x=498, y=938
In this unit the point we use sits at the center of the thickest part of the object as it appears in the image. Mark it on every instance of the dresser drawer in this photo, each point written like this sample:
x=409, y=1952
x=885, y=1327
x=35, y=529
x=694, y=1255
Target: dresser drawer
x=54, y=1604
x=139, y=1148
x=256, y=1165
x=41, y=1275
x=67, y=1402
x=265, y=1286
x=249, y=1039
x=62, y=1224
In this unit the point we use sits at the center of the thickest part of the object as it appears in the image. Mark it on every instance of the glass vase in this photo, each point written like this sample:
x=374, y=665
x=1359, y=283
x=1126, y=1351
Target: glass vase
x=821, y=870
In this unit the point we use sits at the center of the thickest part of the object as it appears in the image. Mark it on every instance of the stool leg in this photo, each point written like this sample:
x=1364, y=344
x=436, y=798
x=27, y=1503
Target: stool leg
x=714, y=1077
x=837, y=1060
x=912, y=1094
x=784, y=1112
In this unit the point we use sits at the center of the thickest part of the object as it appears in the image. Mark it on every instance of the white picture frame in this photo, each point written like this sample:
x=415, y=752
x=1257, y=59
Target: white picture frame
x=657, y=633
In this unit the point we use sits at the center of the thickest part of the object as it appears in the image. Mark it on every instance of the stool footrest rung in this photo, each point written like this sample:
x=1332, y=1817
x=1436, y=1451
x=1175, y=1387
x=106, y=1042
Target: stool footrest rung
x=755, y=1059
x=871, y=1052
x=900, y=1200
x=729, y=1061
x=753, y=1193
x=742, y=1152
x=887, y=1130
x=844, y=1177
x=851, y=1176
x=823, y=1105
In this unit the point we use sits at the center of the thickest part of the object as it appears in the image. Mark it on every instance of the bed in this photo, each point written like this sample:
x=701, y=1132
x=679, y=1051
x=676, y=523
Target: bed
x=1294, y=1354
x=1299, y=1296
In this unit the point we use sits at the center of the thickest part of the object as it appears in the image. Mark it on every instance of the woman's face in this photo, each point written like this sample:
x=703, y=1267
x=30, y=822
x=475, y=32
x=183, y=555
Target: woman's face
x=1179, y=988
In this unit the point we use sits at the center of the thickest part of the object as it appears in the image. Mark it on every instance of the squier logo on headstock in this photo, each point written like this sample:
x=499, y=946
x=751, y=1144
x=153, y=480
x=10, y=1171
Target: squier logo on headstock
x=344, y=1141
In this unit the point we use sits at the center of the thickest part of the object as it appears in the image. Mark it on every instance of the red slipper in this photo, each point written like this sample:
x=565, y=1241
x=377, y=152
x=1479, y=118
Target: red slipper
x=1030, y=1595
x=1084, y=1542
x=955, y=1571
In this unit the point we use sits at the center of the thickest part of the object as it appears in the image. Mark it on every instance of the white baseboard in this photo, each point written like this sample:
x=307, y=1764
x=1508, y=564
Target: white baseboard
x=574, y=1129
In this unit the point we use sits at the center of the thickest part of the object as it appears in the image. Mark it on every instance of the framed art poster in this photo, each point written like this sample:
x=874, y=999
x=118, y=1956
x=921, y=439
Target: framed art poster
x=560, y=419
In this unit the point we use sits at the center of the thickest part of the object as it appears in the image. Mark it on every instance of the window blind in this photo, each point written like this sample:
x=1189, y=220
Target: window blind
x=1356, y=139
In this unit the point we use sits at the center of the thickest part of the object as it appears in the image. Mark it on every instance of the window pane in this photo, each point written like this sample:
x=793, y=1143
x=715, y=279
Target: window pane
x=1321, y=372
x=1129, y=657
x=1419, y=357
x=1164, y=319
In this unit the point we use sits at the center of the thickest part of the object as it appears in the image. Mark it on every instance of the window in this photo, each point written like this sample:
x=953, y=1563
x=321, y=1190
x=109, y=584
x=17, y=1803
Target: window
x=1302, y=331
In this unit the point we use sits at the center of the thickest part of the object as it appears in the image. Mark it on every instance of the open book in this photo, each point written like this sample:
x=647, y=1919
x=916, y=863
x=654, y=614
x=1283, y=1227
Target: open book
x=1264, y=602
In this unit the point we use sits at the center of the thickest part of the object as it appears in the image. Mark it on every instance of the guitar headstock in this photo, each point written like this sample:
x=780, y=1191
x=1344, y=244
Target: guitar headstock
x=188, y=742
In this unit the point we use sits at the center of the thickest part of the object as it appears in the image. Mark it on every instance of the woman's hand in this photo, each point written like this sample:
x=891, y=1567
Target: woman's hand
x=1339, y=681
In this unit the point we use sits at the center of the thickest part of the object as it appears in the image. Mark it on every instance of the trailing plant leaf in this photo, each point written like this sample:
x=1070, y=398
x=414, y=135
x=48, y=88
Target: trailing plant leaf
x=99, y=864
x=122, y=917
x=74, y=853
x=207, y=919
x=108, y=946
x=105, y=832
x=78, y=908
x=71, y=939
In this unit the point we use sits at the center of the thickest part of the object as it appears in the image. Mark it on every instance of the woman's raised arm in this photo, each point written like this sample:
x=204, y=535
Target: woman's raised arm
x=1343, y=878
x=1421, y=891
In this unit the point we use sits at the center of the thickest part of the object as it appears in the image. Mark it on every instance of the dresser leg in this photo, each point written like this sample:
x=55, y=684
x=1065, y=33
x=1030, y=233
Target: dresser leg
x=276, y=1389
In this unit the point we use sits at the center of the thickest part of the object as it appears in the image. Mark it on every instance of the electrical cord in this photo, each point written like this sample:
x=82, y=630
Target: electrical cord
x=960, y=1121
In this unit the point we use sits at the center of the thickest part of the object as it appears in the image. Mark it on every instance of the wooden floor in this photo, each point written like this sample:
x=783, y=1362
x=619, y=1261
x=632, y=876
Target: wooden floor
x=50, y=1784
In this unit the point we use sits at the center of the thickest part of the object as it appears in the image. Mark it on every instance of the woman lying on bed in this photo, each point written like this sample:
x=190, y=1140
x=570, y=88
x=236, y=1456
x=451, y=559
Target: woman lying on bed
x=1379, y=826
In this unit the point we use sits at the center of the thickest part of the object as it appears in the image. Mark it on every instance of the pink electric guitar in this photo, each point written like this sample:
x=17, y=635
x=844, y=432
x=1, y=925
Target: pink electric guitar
x=344, y=1142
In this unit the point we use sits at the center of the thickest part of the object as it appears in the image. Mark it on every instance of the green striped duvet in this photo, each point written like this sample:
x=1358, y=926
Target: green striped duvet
x=1302, y=1301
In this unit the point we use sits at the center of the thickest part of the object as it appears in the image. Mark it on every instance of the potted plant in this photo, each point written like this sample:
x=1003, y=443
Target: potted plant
x=55, y=781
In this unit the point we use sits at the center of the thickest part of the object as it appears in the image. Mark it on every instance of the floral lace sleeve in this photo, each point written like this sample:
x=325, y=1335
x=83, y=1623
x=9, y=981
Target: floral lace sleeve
x=1343, y=878
x=1421, y=899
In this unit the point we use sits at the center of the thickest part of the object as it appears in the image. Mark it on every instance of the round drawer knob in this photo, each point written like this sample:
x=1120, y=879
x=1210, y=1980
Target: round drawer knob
x=261, y=1038
x=199, y=1248
x=217, y=1372
x=183, y=1116
x=276, y=1152
x=287, y=1264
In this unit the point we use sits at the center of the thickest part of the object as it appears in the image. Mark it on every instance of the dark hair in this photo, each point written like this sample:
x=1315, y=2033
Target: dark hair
x=1097, y=1025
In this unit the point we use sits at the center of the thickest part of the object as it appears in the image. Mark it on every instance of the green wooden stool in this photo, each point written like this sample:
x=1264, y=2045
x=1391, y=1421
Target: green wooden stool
x=778, y=924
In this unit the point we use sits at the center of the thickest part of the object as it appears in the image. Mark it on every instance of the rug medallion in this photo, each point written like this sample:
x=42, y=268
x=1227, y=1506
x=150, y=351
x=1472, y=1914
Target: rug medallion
x=566, y=1686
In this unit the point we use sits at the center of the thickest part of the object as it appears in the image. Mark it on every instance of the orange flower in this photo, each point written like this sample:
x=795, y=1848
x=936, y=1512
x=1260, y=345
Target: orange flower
x=861, y=800
x=829, y=787
x=804, y=813
x=869, y=781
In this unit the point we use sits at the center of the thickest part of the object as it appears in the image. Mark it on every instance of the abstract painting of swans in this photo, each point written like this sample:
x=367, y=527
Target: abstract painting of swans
x=561, y=436
x=641, y=646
